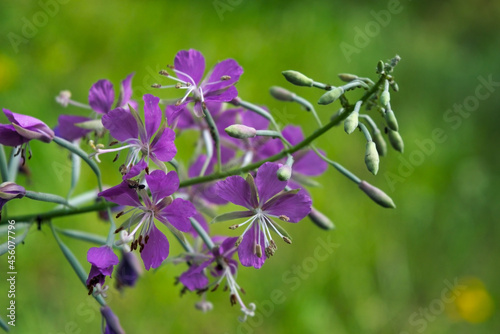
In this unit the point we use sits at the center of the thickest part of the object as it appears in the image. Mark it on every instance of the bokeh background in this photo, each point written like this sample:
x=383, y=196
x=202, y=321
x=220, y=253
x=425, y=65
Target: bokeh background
x=391, y=271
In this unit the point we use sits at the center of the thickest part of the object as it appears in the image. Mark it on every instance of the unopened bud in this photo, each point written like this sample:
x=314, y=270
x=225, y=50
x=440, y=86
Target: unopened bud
x=331, y=96
x=385, y=98
x=10, y=190
x=347, y=77
x=297, y=78
x=321, y=220
x=351, y=122
x=377, y=195
x=391, y=120
x=379, y=141
x=396, y=140
x=371, y=157
x=63, y=98
x=395, y=86
x=284, y=173
x=241, y=131
x=380, y=67
x=282, y=94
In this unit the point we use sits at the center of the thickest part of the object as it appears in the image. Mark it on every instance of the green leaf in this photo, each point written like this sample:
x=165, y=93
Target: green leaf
x=231, y=216
x=84, y=236
x=44, y=197
x=76, y=164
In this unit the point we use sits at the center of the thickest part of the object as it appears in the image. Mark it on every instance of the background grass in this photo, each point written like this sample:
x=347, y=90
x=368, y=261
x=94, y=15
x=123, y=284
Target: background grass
x=389, y=266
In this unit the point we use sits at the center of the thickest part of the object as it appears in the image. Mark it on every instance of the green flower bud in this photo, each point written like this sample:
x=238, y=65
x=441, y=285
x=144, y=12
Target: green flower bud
x=396, y=140
x=347, y=77
x=377, y=195
x=321, y=220
x=379, y=141
x=284, y=173
x=351, y=122
x=94, y=124
x=281, y=94
x=371, y=157
x=331, y=96
x=395, y=86
x=297, y=78
x=240, y=131
x=385, y=98
x=380, y=66
x=391, y=120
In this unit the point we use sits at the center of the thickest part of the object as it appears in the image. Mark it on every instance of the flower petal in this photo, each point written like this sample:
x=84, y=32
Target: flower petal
x=161, y=184
x=67, y=129
x=225, y=96
x=135, y=170
x=246, y=249
x=156, y=249
x=125, y=91
x=102, y=257
x=228, y=67
x=30, y=127
x=152, y=114
x=309, y=163
x=267, y=181
x=194, y=278
x=293, y=134
x=121, y=194
x=10, y=137
x=235, y=190
x=101, y=96
x=191, y=63
x=163, y=145
x=178, y=213
x=293, y=205
x=121, y=124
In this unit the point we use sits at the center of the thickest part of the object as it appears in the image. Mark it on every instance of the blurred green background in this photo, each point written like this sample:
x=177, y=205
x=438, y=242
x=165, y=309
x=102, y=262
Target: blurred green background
x=390, y=269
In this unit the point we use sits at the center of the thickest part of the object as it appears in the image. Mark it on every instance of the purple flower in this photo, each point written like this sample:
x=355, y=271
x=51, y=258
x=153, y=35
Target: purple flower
x=10, y=190
x=149, y=139
x=112, y=322
x=103, y=260
x=265, y=199
x=101, y=99
x=154, y=246
x=218, y=85
x=128, y=270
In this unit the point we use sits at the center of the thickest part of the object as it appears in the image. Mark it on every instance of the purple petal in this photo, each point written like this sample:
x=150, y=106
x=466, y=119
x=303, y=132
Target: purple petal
x=225, y=96
x=10, y=190
x=10, y=137
x=30, y=127
x=192, y=63
x=179, y=116
x=121, y=194
x=227, y=248
x=246, y=249
x=125, y=91
x=267, y=181
x=254, y=120
x=294, y=206
x=112, y=322
x=309, y=163
x=161, y=184
x=152, y=114
x=67, y=128
x=293, y=134
x=156, y=249
x=235, y=190
x=121, y=124
x=163, y=145
x=194, y=278
x=268, y=149
x=228, y=67
x=135, y=170
x=128, y=270
x=101, y=96
x=178, y=213
x=102, y=257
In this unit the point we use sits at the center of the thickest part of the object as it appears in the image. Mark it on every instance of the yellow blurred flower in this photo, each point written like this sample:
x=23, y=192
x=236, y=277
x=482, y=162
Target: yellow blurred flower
x=8, y=72
x=474, y=303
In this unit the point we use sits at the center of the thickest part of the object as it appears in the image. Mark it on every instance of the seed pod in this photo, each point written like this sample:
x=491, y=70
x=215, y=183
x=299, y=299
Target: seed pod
x=396, y=140
x=282, y=94
x=371, y=157
x=297, y=78
x=240, y=131
x=377, y=195
x=331, y=96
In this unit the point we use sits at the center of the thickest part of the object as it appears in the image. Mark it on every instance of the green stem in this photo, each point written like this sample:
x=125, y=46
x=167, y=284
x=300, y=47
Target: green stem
x=46, y=197
x=309, y=107
x=13, y=165
x=203, y=235
x=3, y=165
x=215, y=135
x=338, y=167
x=365, y=131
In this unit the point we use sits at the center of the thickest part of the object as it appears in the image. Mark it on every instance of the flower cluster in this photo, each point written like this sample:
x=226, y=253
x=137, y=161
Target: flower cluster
x=242, y=156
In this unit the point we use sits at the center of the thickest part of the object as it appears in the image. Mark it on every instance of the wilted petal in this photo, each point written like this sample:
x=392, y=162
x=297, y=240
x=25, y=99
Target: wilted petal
x=101, y=96
x=121, y=124
x=161, y=184
x=156, y=249
x=192, y=63
x=267, y=181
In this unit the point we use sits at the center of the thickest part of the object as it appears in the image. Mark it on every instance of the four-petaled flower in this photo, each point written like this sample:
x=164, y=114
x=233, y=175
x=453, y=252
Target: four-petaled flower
x=174, y=213
x=265, y=199
x=149, y=139
x=218, y=85
x=103, y=260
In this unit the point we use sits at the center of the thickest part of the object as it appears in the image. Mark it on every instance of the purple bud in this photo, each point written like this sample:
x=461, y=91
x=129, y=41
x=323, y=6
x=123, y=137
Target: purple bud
x=377, y=195
x=281, y=93
x=29, y=127
x=112, y=322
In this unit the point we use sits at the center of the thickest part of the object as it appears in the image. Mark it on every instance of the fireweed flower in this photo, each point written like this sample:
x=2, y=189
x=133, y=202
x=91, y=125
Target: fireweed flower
x=23, y=129
x=101, y=99
x=218, y=85
x=10, y=190
x=153, y=244
x=149, y=138
x=128, y=270
x=265, y=199
x=112, y=323
x=102, y=260
x=219, y=263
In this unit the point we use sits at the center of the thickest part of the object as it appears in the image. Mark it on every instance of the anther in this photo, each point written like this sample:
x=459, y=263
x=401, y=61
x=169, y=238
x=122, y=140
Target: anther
x=234, y=227
x=225, y=77
x=214, y=288
x=172, y=67
x=178, y=85
x=238, y=241
x=146, y=239
x=156, y=85
x=287, y=240
x=164, y=72
x=117, y=216
x=116, y=157
x=114, y=142
x=284, y=218
x=257, y=250
x=119, y=229
x=233, y=299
